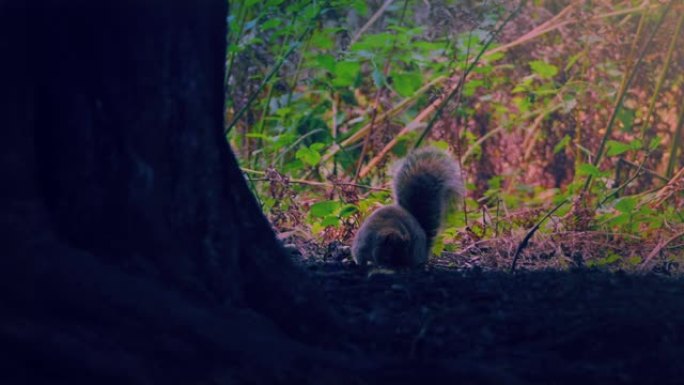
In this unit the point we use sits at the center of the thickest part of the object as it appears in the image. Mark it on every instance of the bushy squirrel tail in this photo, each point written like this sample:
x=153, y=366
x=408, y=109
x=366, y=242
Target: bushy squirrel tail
x=426, y=183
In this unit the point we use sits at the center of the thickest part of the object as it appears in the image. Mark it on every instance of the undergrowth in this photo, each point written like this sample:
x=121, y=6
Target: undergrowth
x=565, y=115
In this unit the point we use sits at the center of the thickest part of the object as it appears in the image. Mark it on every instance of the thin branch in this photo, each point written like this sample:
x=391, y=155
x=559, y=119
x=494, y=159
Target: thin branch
x=623, y=91
x=371, y=21
x=361, y=133
x=627, y=182
x=472, y=66
x=530, y=233
x=311, y=182
x=661, y=78
x=376, y=99
x=270, y=75
x=545, y=28
x=659, y=247
x=438, y=105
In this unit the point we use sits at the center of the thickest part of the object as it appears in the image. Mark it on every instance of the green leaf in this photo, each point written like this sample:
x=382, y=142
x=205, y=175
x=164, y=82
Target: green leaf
x=519, y=88
x=617, y=148
x=495, y=182
x=561, y=145
x=348, y=210
x=472, y=86
x=494, y=57
x=326, y=62
x=321, y=40
x=379, y=41
x=441, y=144
x=438, y=246
x=626, y=205
x=573, y=59
x=331, y=221
x=406, y=84
x=634, y=260
x=257, y=135
x=620, y=220
x=611, y=258
x=360, y=6
x=345, y=73
x=311, y=11
x=324, y=208
x=655, y=142
x=318, y=146
x=588, y=169
x=308, y=156
x=543, y=69
x=270, y=24
x=626, y=116
x=293, y=166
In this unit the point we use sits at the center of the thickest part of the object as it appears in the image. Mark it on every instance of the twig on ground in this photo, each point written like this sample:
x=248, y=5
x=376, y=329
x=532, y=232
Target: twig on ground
x=658, y=248
x=530, y=233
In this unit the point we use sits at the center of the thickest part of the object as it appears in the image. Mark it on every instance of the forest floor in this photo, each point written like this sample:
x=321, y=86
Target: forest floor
x=537, y=325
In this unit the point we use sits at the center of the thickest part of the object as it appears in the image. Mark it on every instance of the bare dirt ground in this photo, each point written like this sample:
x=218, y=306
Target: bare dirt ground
x=537, y=325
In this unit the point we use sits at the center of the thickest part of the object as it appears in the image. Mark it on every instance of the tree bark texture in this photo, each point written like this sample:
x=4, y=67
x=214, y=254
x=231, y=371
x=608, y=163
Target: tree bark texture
x=135, y=252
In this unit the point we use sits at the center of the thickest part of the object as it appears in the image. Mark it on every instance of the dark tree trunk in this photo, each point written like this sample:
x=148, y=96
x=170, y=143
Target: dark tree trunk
x=134, y=250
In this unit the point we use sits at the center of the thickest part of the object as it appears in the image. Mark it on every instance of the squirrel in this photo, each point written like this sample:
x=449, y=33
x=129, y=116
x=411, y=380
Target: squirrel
x=425, y=185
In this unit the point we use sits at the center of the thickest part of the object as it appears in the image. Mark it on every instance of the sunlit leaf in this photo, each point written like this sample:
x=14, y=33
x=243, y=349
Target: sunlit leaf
x=634, y=260
x=308, y=156
x=610, y=259
x=331, y=221
x=324, y=208
x=441, y=144
x=348, y=210
x=655, y=142
x=617, y=148
x=588, y=169
x=543, y=69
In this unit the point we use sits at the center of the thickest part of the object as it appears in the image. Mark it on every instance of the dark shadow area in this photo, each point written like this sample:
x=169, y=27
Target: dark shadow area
x=533, y=326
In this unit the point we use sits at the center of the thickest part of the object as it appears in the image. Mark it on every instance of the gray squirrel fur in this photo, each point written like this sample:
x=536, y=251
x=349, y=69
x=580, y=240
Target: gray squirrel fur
x=425, y=185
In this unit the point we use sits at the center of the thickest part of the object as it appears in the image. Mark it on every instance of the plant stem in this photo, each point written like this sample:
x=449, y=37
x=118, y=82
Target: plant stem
x=472, y=65
x=676, y=141
x=661, y=79
x=267, y=79
x=623, y=92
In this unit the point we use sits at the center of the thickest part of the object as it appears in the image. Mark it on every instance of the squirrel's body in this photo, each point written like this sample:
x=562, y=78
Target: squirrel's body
x=425, y=184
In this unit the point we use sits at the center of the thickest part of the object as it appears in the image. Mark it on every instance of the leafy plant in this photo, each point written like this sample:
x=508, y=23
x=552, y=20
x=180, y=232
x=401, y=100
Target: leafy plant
x=548, y=117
